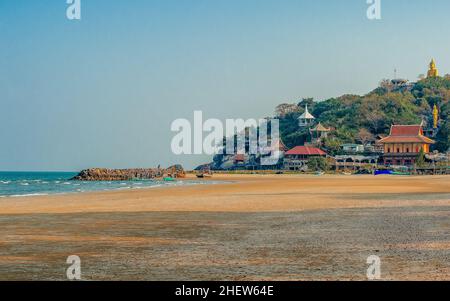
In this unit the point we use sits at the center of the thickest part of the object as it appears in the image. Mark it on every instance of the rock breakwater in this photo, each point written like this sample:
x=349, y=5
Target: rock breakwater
x=104, y=174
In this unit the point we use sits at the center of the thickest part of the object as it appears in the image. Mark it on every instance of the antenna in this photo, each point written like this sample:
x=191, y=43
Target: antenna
x=395, y=73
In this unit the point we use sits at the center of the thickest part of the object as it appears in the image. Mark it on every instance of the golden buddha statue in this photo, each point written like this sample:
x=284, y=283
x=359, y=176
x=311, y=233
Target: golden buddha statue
x=433, y=71
x=435, y=117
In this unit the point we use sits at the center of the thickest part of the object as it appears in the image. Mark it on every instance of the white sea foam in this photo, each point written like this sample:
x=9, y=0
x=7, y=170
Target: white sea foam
x=121, y=188
x=27, y=195
x=147, y=187
x=24, y=184
x=5, y=182
x=155, y=186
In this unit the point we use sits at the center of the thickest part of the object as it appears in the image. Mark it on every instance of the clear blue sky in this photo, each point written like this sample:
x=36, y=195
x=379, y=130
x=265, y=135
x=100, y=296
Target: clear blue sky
x=103, y=91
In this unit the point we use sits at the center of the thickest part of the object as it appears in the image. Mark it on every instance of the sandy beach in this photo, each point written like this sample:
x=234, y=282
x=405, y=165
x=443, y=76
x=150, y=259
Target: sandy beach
x=250, y=227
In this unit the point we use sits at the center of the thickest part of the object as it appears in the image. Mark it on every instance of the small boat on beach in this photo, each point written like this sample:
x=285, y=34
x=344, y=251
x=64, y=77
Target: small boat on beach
x=399, y=173
x=383, y=172
x=392, y=173
x=203, y=176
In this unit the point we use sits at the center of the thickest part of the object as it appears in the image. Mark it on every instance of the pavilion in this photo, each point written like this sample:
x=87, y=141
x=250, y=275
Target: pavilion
x=404, y=144
x=306, y=119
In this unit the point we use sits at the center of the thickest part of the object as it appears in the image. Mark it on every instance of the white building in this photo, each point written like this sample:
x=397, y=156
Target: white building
x=306, y=119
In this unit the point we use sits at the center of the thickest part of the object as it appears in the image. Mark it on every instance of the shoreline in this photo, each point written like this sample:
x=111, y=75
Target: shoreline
x=224, y=178
x=248, y=193
x=188, y=181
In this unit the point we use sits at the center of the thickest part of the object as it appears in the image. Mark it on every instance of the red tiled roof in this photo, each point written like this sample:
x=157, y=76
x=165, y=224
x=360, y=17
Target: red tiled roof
x=406, y=134
x=405, y=139
x=239, y=157
x=406, y=130
x=306, y=150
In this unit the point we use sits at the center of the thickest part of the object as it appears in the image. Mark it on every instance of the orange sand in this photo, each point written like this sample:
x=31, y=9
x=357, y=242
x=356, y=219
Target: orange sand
x=250, y=193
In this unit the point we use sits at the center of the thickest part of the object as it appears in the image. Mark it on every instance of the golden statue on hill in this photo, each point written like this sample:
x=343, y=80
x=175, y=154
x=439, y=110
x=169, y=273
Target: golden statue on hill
x=435, y=117
x=433, y=71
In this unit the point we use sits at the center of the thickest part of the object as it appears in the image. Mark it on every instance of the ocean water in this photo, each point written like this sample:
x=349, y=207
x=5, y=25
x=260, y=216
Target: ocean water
x=17, y=184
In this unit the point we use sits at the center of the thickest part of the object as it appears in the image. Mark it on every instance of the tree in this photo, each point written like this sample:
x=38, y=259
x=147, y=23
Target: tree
x=333, y=145
x=420, y=161
x=375, y=120
x=307, y=101
x=443, y=138
x=386, y=85
x=365, y=136
x=318, y=164
x=285, y=109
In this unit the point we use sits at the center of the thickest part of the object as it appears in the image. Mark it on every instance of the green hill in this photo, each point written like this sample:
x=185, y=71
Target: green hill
x=356, y=118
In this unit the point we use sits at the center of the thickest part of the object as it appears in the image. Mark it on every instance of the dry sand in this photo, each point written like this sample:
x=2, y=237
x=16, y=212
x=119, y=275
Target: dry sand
x=253, y=227
x=249, y=193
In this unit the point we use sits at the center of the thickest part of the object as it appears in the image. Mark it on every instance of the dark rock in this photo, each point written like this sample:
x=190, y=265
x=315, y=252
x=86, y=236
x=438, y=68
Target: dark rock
x=103, y=174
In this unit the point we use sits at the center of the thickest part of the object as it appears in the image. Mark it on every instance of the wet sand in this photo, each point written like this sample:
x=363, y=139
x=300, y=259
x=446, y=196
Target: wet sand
x=285, y=227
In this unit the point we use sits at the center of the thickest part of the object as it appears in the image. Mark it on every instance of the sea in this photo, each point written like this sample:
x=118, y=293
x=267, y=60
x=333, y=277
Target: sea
x=22, y=184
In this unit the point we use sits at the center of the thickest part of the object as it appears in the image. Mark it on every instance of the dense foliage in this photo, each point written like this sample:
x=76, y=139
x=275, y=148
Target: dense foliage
x=358, y=118
x=318, y=164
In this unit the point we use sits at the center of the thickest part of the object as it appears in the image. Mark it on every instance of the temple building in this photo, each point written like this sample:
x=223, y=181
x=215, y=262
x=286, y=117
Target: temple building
x=404, y=144
x=318, y=134
x=297, y=158
x=306, y=119
x=433, y=71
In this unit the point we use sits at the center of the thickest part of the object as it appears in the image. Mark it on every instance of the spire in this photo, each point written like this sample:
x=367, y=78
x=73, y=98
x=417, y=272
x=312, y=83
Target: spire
x=307, y=114
x=306, y=118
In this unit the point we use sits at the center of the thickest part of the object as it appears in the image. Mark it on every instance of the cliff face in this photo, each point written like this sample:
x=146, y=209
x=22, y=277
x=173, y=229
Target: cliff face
x=103, y=174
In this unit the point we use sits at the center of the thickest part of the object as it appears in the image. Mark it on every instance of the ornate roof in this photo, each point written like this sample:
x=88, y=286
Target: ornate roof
x=407, y=134
x=320, y=128
x=306, y=114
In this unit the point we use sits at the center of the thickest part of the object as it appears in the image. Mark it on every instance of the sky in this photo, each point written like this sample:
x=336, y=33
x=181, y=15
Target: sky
x=103, y=91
